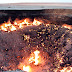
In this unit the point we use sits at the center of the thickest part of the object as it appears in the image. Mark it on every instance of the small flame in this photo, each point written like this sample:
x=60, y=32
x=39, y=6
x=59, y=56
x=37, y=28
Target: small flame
x=67, y=26
x=8, y=25
x=3, y=28
x=61, y=60
x=36, y=22
x=13, y=28
x=15, y=23
x=35, y=58
x=65, y=69
x=26, y=21
x=26, y=68
x=21, y=25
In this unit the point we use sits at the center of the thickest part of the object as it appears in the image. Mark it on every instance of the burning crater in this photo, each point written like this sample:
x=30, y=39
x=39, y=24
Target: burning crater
x=35, y=62
x=35, y=46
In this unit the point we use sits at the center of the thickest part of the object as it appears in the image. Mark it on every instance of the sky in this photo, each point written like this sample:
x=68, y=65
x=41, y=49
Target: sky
x=37, y=1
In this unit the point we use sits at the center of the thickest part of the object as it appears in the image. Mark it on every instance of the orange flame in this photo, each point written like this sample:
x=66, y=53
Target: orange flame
x=35, y=58
x=26, y=68
x=67, y=26
x=36, y=22
x=66, y=69
x=32, y=59
x=3, y=28
x=17, y=24
x=13, y=28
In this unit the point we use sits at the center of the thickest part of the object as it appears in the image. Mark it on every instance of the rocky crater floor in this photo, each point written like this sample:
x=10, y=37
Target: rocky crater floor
x=54, y=40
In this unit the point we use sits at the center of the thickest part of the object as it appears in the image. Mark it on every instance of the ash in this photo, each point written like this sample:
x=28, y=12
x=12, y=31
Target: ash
x=55, y=40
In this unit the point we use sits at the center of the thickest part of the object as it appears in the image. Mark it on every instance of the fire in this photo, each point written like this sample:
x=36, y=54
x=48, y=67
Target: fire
x=66, y=69
x=32, y=61
x=27, y=21
x=3, y=28
x=15, y=23
x=67, y=26
x=35, y=58
x=7, y=25
x=18, y=24
x=36, y=22
x=13, y=28
x=61, y=60
x=26, y=68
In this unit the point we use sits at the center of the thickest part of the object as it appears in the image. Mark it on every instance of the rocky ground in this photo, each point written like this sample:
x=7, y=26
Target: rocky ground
x=55, y=40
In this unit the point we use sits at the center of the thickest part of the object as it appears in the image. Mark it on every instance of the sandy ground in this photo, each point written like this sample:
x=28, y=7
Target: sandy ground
x=35, y=6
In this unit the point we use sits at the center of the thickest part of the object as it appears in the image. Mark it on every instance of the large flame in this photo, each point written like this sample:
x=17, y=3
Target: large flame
x=18, y=24
x=34, y=58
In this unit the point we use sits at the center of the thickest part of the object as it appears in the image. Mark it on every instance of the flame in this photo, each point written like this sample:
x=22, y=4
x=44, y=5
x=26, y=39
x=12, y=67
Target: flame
x=61, y=60
x=67, y=26
x=8, y=25
x=13, y=28
x=18, y=24
x=36, y=22
x=35, y=58
x=3, y=28
x=26, y=68
x=65, y=69
x=27, y=21
x=32, y=61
